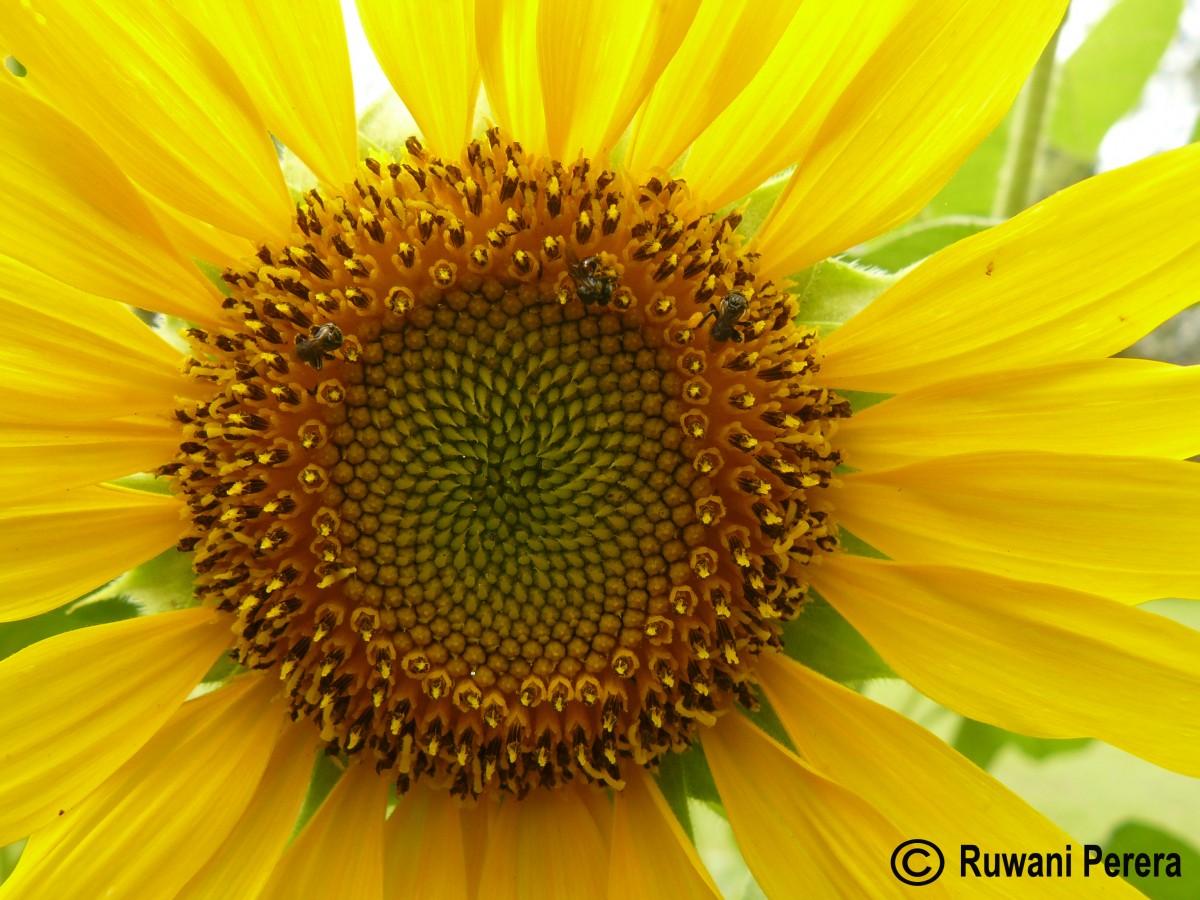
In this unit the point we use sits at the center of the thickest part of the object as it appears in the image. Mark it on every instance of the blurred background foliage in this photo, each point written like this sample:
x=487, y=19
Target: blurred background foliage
x=1121, y=81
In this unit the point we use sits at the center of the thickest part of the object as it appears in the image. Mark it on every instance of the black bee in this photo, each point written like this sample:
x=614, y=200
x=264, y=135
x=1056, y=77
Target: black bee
x=733, y=307
x=594, y=281
x=324, y=339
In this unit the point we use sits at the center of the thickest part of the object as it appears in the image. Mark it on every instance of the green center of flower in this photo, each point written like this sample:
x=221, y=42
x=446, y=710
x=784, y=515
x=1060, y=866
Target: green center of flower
x=508, y=491
x=508, y=470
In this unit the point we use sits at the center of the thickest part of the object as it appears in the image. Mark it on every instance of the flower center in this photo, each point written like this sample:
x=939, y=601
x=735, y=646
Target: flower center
x=508, y=469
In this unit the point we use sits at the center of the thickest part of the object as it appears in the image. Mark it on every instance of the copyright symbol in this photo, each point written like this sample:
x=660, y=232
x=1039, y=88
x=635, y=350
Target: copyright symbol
x=913, y=862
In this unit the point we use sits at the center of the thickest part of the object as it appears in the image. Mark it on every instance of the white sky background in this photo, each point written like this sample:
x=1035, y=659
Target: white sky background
x=369, y=81
x=1172, y=98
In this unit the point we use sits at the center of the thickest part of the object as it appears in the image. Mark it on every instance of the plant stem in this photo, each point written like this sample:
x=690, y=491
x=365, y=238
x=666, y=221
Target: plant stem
x=1025, y=142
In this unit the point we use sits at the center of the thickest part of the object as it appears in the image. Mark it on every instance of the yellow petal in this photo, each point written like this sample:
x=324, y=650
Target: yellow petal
x=794, y=826
x=81, y=221
x=149, y=828
x=1122, y=527
x=773, y=122
x=506, y=34
x=651, y=856
x=76, y=706
x=546, y=847
x=292, y=58
x=943, y=78
x=880, y=754
x=600, y=808
x=424, y=851
x=243, y=863
x=339, y=854
x=45, y=459
x=195, y=239
x=43, y=395
x=723, y=50
x=168, y=109
x=1110, y=406
x=60, y=546
x=80, y=358
x=74, y=316
x=428, y=53
x=1081, y=275
x=475, y=821
x=598, y=62
x=1032, y=658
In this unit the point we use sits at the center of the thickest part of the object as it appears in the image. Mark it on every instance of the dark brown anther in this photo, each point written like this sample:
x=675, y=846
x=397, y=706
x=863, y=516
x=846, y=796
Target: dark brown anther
x=418, y=176
x=358, y=268
x=373, y=227
x=339, y=244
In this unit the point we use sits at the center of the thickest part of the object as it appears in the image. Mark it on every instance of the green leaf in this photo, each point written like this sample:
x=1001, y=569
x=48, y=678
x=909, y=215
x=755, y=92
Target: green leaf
x=767, y=721
x=146, y=482
x=8, y=858
x=684, y=775
x=821, y=639
x=833, y=291
x=1138, y=837
x=851, y=542
x=1059, y=170
x=671, y=781
x=911, y=243
x=1044, y=748
x=759, y=203
x=16, y=636
x=972, y=189
x=980, y=743
x=161, y=584
x=1186, y=612
x=1104, y=78
x=860, y=400
x=327, y=771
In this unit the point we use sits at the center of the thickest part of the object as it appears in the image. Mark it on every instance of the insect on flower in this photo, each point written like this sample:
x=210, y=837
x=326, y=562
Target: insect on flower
x=594, y=281
x=733, y=307
x=324, y=339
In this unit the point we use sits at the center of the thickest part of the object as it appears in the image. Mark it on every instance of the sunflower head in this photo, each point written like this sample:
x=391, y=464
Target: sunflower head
x=510, y=468
x=502, y=470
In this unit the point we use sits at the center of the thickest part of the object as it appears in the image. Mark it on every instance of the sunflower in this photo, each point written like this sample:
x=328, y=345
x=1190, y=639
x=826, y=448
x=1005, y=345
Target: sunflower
x=509, y=476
